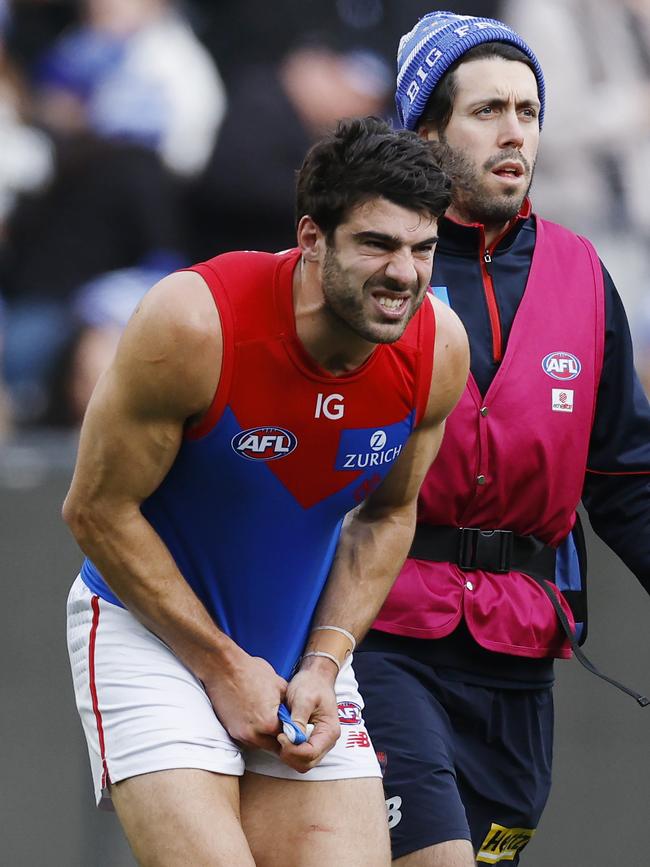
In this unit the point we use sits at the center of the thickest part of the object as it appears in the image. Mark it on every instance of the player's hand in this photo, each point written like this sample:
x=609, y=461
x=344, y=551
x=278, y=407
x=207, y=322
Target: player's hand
x=311, y=699
x=246, y=701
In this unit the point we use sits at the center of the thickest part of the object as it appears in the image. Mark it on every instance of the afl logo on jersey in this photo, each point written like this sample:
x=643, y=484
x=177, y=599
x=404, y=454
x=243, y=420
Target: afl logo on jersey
x=264, y=443
x=561, y=365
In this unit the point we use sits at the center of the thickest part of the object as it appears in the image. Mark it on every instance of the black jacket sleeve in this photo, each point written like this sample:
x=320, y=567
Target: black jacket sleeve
x=617, y=484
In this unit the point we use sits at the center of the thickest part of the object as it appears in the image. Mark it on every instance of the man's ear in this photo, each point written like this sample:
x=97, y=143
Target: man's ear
x=310, y=239
x=428, y=133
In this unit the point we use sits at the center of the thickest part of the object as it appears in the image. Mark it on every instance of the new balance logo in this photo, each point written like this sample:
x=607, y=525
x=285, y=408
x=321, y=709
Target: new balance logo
x=357, y=739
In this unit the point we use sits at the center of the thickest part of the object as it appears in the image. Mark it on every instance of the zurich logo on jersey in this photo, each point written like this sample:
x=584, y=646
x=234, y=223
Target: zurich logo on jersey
x=264, y=443
x=363, y=448
x=561, y=365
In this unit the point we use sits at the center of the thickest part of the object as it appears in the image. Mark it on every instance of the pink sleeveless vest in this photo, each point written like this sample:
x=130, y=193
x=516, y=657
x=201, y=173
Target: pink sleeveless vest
x=515, y=460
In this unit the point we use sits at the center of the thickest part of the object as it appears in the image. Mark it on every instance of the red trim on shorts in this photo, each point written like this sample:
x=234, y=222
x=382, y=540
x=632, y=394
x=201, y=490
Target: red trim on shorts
x=93, y=689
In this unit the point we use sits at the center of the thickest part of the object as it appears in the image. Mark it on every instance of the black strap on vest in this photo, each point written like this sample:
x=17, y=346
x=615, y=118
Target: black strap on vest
x=579, y=655
x=491, y=550
x=503, y=551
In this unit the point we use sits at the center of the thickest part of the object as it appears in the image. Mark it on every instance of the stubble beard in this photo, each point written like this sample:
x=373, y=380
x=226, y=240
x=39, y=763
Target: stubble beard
x=345, y=304
x=471, y=198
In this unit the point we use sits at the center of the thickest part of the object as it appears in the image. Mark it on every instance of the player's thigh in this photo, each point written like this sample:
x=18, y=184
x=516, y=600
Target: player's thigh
x=453, y=853
x=180, y=817
x=309, y=820
x=415, y=744
x=294, y=823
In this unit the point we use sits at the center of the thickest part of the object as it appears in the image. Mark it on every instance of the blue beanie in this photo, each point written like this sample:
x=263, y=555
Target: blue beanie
x=437, y=41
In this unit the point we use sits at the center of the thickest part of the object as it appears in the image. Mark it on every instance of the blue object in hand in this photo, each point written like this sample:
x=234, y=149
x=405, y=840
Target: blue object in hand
x=289, y=727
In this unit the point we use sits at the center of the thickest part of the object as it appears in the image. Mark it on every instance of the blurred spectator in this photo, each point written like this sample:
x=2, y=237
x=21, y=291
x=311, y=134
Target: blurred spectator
x=26, y=165
x=26, y=154
x=128, y=83
x=274, y=29
x=134, y=70
x=111, y=205
x=35, y=24
x=128, y=88
x=245, y=197
x=101, y=310
x=594, y=166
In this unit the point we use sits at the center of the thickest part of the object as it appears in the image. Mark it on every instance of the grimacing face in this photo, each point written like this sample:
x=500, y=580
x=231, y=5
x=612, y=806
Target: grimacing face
x=489, y=146
x=376, y=272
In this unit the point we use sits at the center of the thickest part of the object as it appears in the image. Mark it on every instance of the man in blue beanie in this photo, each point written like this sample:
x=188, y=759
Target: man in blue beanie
x=457, y=671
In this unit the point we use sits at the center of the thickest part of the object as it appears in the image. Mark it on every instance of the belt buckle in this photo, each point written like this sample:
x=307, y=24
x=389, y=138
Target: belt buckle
x=490, y=550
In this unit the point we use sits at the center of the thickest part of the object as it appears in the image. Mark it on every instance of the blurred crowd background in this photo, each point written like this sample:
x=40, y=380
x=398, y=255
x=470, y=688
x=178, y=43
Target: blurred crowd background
x=139, y=136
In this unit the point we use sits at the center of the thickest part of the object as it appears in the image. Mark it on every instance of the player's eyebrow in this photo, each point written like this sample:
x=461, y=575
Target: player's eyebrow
x=392, y=241
x=500, y=102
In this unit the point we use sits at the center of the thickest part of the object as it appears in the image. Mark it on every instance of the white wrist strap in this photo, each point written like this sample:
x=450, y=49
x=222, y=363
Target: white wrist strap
x=340, y=629
x=325, y=655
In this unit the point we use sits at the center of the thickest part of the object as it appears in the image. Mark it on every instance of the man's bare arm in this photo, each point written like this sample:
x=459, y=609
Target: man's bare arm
x=165, y=373
x=376, y=537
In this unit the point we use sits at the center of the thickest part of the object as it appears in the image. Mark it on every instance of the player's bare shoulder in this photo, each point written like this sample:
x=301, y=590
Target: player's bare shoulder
x=450, y=361
x=172, y=345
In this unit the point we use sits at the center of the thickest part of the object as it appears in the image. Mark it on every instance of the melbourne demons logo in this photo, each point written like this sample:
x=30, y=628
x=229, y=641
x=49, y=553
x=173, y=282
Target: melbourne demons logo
x=561, y=365
x=264, y=443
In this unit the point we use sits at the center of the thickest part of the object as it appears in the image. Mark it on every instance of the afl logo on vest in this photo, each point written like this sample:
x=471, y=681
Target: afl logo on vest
x=264, y=443
x=561, y=365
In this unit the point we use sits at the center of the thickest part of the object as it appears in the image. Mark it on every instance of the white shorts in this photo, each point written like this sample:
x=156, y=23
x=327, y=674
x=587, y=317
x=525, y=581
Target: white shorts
x=142, y=710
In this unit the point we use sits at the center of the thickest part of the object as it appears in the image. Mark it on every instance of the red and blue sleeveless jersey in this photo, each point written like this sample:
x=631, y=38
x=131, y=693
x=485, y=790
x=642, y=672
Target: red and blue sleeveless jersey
x=252, y=506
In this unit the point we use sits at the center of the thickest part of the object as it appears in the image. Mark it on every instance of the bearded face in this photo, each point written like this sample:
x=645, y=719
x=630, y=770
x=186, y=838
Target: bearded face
x=376, y=270
x=474, y=198
x=489, y=145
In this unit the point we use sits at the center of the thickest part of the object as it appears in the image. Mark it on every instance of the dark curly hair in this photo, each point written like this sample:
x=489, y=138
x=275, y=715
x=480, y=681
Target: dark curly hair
x=364, y=159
